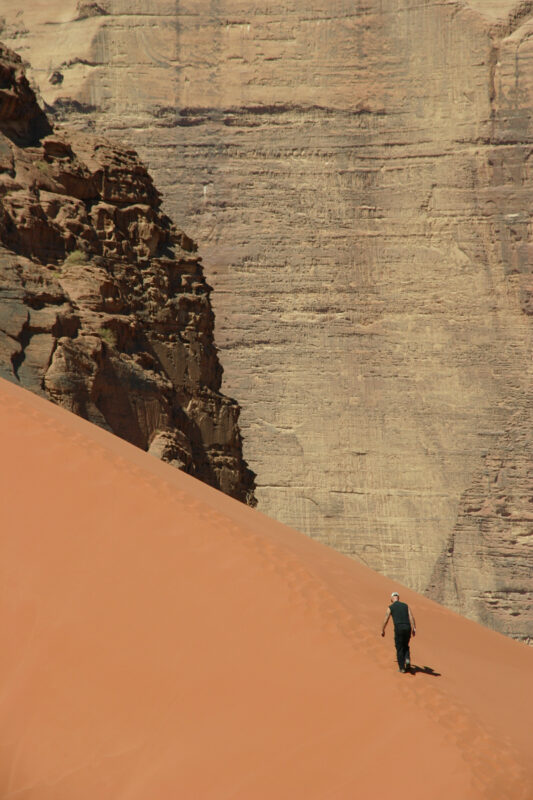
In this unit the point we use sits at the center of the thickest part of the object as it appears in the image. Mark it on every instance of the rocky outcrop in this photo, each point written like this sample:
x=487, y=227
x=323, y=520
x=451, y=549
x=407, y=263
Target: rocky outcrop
x=359, y=177
x=104, y=307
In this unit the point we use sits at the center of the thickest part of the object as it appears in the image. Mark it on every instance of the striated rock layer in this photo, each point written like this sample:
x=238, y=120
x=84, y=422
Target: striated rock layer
x=104, y=307
x=359, y=177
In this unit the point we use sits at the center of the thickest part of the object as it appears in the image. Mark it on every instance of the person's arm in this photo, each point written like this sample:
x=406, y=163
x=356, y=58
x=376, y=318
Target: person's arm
x=413, y=623
x=387, y=615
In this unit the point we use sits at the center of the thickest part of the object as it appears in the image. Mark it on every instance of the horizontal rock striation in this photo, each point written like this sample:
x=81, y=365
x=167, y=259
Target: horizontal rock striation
x=104, y=307
x=359, y=176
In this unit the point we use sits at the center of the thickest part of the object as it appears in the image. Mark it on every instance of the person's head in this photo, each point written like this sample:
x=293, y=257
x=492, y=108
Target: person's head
x=394, y=596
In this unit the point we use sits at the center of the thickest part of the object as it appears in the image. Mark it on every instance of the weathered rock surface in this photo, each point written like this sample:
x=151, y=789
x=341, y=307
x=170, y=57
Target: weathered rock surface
x=104, y=307
x=359, y=177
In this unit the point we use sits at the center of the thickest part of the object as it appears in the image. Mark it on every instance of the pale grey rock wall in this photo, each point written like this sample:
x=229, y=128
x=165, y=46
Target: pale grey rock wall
x=358, y=177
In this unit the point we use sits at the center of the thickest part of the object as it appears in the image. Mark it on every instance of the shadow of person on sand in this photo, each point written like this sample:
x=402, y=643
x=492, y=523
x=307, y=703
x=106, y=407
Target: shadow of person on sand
x=413, y=669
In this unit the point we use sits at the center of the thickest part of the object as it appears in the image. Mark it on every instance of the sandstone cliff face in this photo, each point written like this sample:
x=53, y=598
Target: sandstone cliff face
x=359, y=177
x=104, y=308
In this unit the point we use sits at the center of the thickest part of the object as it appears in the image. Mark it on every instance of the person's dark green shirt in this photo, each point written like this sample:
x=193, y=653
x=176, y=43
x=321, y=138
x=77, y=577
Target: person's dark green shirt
x=400, y=614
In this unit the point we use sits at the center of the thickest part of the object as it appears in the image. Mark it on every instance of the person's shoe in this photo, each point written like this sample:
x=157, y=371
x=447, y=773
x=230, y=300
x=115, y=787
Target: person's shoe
x=401, y=669
x=407, y=663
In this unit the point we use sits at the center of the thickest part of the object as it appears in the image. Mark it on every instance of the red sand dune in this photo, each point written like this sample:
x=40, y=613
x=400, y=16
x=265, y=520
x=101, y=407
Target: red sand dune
x=162, y=641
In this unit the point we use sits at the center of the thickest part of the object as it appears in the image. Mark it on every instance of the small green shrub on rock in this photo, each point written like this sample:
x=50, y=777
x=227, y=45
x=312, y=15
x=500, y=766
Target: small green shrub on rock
x=43, y=166
x=75, y=257
x=108, y=336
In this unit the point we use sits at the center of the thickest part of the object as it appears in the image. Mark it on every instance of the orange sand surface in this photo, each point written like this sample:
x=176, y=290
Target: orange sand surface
x=162, y=641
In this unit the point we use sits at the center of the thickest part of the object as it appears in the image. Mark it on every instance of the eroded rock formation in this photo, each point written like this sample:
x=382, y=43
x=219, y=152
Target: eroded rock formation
x=103, y=303
x=359, y=176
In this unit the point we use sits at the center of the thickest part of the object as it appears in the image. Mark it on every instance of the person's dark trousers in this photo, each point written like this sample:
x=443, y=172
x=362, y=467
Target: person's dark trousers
x=402, y=635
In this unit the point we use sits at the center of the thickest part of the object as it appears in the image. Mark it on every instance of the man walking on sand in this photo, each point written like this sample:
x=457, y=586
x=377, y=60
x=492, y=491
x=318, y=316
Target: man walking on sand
x=404, y=628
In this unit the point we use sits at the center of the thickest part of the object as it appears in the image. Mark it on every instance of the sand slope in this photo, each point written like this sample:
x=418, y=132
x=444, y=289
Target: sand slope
x=160, y=640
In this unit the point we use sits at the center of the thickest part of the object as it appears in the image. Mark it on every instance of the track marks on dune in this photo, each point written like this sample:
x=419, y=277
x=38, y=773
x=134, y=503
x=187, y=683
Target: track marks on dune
x=308, y=596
